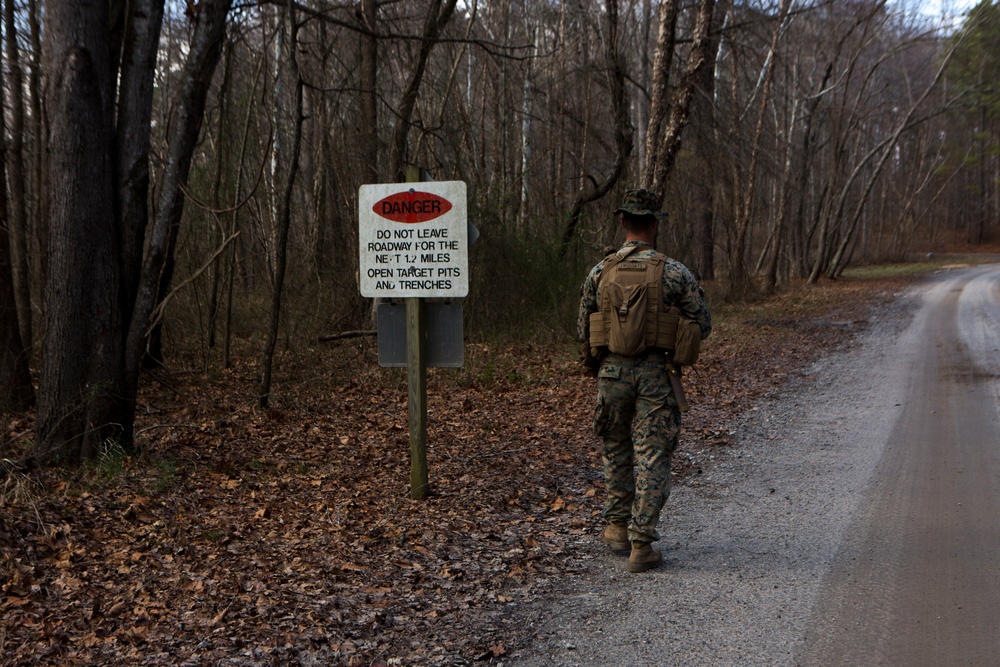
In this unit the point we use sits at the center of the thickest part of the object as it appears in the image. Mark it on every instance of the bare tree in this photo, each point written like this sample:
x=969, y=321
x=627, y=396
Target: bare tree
x=202, y=58
x=667, y=123
x=17, y=204
x=659, y=105
x=283, y=222
x=661, y=160
x=140, y=41
x=593, y=190
x=81, y=373
x=884, y=150
x=37, y=124
x=16, y=392
x=739, y=277
x=707, y=146
x=438, y=15
x=369, y=87
x=89, y=374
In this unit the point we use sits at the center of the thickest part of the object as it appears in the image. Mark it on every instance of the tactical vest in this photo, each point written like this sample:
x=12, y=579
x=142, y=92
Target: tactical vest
x=631, y=316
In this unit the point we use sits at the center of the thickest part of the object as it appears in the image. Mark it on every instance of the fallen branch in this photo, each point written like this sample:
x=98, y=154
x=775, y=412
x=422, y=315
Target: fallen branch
x=500, y=451
x=346, y=334
x=15, y=438
x=23, y=465
x=196, y=427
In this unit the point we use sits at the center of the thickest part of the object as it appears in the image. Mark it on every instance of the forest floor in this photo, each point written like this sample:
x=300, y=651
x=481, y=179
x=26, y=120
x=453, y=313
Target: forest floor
x=243, y=536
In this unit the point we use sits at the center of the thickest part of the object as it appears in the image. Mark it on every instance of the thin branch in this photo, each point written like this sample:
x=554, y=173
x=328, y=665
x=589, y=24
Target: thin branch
x=493, y=48
x=232, y=209
x=157, y=314
x=346, y=334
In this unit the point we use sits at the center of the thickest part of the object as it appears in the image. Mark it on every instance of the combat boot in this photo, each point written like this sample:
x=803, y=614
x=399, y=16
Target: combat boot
x=643, y=557
x=615, y=535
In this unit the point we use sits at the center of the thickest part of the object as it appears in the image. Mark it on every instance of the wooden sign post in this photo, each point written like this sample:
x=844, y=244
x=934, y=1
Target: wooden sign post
x=414, y=245
x=416, y=384
x=416, y=380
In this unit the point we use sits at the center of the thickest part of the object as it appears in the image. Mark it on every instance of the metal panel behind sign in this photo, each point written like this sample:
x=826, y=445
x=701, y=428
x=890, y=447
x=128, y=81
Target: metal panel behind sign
x=445, y=339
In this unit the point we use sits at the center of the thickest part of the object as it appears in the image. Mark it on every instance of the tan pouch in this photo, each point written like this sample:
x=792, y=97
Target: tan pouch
x=688, y=342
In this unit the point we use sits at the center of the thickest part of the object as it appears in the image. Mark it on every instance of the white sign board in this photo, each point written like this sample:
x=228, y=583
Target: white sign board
x=414, y=240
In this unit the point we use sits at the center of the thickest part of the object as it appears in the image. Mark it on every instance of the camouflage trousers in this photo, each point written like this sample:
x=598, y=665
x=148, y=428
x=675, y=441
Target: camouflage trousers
x=638, y=419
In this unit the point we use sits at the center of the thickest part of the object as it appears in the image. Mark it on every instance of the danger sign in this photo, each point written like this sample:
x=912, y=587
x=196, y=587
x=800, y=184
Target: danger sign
x=411, y=206
x=413, y=239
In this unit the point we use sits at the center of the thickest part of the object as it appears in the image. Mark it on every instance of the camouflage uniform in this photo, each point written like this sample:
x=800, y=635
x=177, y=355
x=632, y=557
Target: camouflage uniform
x=637, y=414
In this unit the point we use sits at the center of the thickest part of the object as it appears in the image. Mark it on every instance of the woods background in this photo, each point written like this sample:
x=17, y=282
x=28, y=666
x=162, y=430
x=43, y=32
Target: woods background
x=182, y=178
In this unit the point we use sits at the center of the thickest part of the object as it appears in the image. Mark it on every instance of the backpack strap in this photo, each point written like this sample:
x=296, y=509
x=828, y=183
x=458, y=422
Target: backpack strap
x=613, y=258
x=625, y=252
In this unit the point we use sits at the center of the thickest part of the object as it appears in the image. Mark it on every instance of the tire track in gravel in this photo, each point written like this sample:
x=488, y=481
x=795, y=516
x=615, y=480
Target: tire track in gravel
x=917, y=582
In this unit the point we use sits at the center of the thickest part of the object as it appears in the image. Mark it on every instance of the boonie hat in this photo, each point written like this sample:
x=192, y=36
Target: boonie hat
x=641, y=202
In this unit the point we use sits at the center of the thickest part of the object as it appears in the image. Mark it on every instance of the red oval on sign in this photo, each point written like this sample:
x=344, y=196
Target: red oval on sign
x=410, y=206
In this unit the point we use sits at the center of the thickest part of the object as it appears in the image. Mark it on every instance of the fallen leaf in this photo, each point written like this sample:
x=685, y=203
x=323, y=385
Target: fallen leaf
x=352, y=567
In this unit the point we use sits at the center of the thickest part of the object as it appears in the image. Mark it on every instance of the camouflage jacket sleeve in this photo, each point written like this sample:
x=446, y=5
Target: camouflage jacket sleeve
x=681, y=289
x=588, y=303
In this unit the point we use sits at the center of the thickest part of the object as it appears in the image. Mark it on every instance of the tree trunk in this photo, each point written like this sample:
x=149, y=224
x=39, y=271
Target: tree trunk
x=234, y=228
x=369, y=90
x=135, y=109
x=283, y=221
x=780, y=220
x=17, y=205
x=525, y=161
x=81, y=380
x=323, y=186
x=708, y=144
x=645, y=74
x=218, y=269
x=185, y=126
x=668, y=141
x=40, y=220
x=140, y=40
x=659, y=105
x=623, y=131
x=739, y=276
x=437, y=18
x=15, y=380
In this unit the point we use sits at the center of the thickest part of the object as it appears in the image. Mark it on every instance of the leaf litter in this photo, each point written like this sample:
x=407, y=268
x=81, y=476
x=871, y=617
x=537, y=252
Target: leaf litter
x=287, y=536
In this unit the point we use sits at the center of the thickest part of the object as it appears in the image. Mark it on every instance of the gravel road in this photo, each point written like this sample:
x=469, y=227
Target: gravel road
x=760, y=557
